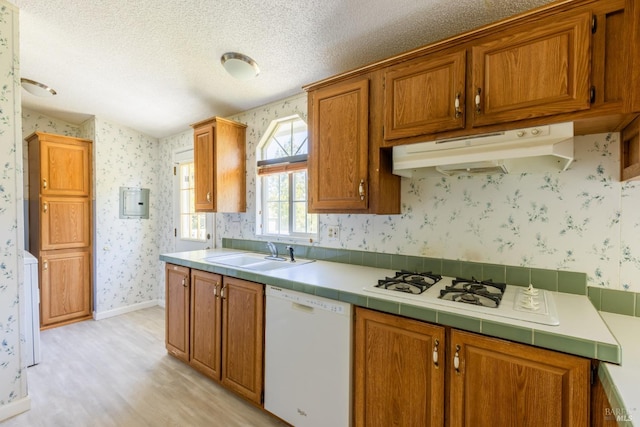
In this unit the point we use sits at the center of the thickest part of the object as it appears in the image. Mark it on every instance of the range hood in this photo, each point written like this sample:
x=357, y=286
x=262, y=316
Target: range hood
x=534, y=149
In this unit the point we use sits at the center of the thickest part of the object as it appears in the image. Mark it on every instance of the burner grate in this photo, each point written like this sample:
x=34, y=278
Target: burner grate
x=409, y=282
x=485, y=293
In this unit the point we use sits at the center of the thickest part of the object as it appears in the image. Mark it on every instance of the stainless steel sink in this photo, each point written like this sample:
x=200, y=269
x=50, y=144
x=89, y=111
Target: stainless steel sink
x=254, y=262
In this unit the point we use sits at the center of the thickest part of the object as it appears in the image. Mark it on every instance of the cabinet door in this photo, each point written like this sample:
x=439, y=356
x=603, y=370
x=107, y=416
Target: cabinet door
x=205, y=323
x=533, y=70
x=339, y=144
x=425, y=96
x=398, y=382
x=177, y=311
x=65, y=167
x=204, y=168
x=243, y=337
x=65, y=286
x=65, y=223
x=499, y=383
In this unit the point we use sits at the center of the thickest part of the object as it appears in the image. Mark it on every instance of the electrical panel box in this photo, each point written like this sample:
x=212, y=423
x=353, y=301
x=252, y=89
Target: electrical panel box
x=134, y=203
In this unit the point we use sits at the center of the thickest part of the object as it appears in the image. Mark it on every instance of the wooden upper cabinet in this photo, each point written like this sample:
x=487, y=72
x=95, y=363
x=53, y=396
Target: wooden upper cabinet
x=220, y=165
x=527, y=386
x=65, y=164
x=397, y=380
x=536, y=69
x=339, y=147
x=425, y=96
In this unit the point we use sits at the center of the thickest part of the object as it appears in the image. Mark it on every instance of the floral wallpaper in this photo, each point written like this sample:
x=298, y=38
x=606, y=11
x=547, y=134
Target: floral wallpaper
x=13, y=386
x=127, y=268
x=583, y=219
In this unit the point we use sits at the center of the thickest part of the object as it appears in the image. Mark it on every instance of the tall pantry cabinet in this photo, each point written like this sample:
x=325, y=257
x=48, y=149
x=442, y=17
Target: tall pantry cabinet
x=60, y=224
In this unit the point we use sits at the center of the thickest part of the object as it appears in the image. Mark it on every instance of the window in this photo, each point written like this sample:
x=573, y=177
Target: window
x=192, y=225
x=282, y=169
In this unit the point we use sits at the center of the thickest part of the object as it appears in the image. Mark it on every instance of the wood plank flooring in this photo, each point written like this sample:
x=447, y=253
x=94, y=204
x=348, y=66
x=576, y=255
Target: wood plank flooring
x=116, y=372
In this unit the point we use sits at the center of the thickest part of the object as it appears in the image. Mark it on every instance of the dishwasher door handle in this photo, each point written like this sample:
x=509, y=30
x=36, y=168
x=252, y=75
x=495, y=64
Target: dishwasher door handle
x=302, y=307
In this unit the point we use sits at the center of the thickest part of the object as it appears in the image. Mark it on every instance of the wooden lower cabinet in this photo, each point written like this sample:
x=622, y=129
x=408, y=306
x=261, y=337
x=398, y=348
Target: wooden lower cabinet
x=216, y=324
x=477, y=381
x=397, y=380
x=65, y=286
x=500, y=383
x=177, y=311
x=243, y=337
x=206, y=325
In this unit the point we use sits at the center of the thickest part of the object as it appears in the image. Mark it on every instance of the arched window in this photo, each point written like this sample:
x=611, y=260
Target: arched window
x=282, y=173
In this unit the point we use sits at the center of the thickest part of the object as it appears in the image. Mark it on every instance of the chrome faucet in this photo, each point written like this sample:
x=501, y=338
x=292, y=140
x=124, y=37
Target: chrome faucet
x=273, y=249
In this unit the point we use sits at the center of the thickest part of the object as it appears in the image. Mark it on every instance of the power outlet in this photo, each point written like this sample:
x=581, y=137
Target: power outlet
x=333, y=232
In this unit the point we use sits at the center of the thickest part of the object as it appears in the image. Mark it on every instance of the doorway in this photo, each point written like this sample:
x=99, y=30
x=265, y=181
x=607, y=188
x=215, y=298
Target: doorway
x=192, y=230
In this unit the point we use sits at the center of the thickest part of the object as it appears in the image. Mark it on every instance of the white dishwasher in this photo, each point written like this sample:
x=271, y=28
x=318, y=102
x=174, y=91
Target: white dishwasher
x=307, y=359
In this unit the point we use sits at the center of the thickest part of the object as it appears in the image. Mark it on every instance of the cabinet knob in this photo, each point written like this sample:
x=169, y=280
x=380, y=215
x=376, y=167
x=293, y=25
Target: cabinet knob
x=45, y=207
x=478, y=105
x=435, y=353
x=361, y=189
x=456, y=359
x=208, y=196
x=457, y=110
x=44, y=184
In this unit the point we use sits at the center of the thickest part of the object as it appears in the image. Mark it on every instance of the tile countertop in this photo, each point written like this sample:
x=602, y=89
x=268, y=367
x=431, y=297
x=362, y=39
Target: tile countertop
x=622, y=382
x=581, y=331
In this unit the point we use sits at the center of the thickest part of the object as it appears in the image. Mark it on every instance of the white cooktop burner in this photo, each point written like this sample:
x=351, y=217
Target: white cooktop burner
x=519, y=303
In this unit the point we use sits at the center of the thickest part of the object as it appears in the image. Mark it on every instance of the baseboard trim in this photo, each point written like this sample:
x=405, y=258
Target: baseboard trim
x=162, y=303
x=122, y=310
x=14, y=408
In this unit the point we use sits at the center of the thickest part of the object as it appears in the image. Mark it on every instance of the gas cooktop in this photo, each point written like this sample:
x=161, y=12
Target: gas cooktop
x=481, y=296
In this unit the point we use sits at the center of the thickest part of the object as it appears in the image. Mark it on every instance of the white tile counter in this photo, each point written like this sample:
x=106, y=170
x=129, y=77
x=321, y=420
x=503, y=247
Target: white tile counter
x=622, y=382
x=581, y=331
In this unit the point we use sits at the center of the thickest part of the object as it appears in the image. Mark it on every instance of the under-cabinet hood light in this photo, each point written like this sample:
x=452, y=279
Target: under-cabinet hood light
x=539, y=148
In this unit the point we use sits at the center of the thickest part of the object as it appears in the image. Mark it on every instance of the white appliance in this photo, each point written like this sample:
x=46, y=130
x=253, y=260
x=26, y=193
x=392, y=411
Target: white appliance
x=307, y=359
x=513, y=302
x=32, y=310
x=539, y=148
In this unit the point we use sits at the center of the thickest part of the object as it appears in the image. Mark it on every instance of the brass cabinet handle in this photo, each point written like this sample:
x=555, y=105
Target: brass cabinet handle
x=208, y=196
x=45, y=265
x=457, y=110
x=215, y=290
x=456, y=359
x=478, y=105
x=184, y=282
x=435, y=353
x=45, y=207
x=361, y=189
x=44, y=184
x=222, y=292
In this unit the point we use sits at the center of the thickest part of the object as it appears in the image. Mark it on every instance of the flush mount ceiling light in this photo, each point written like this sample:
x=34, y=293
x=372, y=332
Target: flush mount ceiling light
x=37, y=88
x=240, y=66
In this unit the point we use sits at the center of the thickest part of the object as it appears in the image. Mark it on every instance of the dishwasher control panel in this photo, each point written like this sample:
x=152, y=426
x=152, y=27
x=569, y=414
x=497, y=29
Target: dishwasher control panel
x=310, y=301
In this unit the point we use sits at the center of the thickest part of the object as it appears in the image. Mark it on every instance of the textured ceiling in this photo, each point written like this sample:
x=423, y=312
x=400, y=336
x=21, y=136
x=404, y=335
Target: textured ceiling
x=154, y=65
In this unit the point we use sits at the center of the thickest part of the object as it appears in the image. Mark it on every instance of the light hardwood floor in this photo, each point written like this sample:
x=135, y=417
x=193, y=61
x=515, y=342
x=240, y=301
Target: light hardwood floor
x=116, y=372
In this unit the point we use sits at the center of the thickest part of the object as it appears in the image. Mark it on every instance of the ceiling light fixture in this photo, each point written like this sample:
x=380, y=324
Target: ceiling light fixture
x=37, y=88
x=240, y=66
